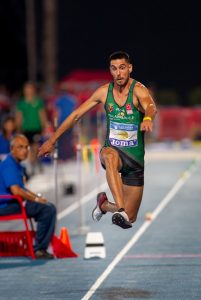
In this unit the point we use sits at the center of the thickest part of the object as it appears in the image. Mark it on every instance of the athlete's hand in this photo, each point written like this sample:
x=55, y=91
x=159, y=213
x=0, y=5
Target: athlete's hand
x=46, y=148
x=147, y=126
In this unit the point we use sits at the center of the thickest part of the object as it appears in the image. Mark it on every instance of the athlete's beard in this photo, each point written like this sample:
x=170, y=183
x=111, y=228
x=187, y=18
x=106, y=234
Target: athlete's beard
x=122, y=85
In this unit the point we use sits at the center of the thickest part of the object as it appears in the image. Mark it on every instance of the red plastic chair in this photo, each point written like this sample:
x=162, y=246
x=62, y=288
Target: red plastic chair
x=20, y=216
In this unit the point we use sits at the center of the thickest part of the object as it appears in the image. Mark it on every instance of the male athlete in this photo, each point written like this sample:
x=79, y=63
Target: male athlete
x=130, y=111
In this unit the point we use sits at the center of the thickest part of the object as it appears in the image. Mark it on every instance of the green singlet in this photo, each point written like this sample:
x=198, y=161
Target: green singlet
x=123, y=126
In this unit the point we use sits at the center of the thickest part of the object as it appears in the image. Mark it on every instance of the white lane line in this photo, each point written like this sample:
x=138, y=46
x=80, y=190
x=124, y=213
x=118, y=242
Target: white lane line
x=186, y=175
x=159, y=256
x=84, y=200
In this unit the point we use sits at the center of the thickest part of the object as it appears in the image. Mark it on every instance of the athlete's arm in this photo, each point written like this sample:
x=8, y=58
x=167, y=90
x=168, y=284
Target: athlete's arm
x=97, y=97
x=147, y=104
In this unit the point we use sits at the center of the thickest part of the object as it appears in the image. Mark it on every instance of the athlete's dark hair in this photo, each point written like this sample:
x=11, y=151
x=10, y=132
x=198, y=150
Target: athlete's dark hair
x=119, y=55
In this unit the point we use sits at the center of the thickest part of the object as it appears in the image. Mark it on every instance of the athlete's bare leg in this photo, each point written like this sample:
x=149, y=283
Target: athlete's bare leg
x=110, y=158
x=108, y=206
x=126, y=197
x=132, y=198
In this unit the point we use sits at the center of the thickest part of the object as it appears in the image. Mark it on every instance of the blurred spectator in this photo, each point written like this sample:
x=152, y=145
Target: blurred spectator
x=4, y=101
x=195, y=132
x=7, y=132
x=31, y=120
x=64, y=106
x=37, y=207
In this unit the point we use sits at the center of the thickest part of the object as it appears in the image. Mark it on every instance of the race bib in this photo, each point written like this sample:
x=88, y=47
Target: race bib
x=123, y=135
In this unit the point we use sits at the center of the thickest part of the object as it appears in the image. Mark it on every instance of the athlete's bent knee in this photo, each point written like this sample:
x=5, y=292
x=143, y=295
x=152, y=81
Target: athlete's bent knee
x=111, y=160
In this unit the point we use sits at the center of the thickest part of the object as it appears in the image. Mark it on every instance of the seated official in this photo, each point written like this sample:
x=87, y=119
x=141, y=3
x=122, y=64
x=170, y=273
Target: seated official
x=12, y=182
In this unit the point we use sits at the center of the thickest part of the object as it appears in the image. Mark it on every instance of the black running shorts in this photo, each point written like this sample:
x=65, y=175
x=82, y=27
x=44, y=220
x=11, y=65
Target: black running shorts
x=132, y=173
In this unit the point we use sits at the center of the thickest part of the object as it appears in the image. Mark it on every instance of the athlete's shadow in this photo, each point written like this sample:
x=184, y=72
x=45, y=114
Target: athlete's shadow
x=116, y=293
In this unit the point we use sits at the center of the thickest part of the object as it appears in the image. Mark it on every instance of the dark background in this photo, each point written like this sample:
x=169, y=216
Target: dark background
x=162, y=38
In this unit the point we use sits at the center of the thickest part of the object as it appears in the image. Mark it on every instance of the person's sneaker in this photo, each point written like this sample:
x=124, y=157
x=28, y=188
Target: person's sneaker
x=97, y=212
x=43, y=254
x=120, y=218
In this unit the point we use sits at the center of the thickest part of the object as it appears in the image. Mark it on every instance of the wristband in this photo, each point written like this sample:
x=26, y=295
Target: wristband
x=147, y=119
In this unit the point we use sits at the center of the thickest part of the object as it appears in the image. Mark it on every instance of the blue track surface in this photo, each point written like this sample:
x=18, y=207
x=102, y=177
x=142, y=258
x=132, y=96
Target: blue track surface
x=164, y=263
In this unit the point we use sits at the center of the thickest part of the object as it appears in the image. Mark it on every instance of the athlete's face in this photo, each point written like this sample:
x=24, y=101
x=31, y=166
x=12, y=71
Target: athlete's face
x=120, y=70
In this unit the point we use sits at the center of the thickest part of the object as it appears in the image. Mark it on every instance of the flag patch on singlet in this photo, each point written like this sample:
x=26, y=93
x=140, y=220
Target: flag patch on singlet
x=123, y=135
x=110, y=107
x=129, y=109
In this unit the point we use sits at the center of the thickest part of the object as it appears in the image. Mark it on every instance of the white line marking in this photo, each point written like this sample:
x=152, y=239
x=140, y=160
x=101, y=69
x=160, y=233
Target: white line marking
x=84, y=200
x=186, y=175
x=156, y=256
